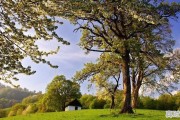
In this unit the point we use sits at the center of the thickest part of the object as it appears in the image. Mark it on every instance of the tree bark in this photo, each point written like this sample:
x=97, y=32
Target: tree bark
x=112, y=102
x=63, y=107
x=126, y=83
x=135, y=95
x=114, y=93
x=136, y=86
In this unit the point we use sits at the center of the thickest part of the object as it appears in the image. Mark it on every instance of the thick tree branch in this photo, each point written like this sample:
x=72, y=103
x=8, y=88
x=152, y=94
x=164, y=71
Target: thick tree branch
x=89, y=49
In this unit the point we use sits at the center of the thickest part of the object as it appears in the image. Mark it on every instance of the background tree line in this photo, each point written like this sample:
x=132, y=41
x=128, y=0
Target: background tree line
x=163, y=102
x=33, y=103
x=10, y=96
x=59, y=93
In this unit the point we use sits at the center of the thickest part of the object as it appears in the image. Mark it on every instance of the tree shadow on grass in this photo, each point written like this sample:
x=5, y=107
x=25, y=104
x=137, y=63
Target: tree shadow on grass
x=135, y=115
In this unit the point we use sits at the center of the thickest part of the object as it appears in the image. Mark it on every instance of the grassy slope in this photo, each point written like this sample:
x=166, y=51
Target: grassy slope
x=92, y=115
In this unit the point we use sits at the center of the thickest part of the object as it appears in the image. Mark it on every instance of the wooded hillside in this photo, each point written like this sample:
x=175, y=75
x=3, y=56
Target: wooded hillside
x=9, y=96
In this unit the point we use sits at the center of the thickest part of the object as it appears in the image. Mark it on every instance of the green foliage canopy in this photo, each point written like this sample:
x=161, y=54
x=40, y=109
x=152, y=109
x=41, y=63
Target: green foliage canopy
x=59, y=92
x=127, y=28
x=22, y=24
x=105, y=74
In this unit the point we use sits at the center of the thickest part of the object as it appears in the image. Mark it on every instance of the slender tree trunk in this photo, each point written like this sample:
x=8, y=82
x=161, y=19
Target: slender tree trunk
x=133, y=88
x=114, y=93
x=126, y=83
x=112, y=102
x=63, y=104
x=135, y=95
x=136, y=86
x=63, y=107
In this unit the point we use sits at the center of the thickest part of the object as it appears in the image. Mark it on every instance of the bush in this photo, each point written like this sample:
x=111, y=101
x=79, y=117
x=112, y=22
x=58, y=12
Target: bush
x=97, y=104
x=166, y=102
x=2, y=113
x=12, y=113
x=30, y=109
x=140, y=103
x=106, y=106
x=86, y=100
x=34, y=108
x=41, y=108
x=177, y=101
x=17, y=109
x=32, y=99
x=26, y=111
x=148, y=103
x=18, y=106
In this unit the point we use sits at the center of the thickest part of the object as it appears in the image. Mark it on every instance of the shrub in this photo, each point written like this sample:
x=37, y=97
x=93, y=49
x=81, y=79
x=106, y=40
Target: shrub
x=12, y=113
x=41, y=108
x=30, y=109
x=86, y=100
x=18, y=106
x=17, y=109
x=32, y=99
x=166, y=102
x=2, y=113
x=148, y=103
x=106, y=106
x=97, y=104
x=34, y=108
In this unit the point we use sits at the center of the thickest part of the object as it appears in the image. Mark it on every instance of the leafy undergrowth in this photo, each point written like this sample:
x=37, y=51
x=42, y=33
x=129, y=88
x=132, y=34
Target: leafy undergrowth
x=93, y=115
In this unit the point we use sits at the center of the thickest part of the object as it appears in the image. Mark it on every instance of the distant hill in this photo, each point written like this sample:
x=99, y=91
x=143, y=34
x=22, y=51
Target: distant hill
x=9, y=96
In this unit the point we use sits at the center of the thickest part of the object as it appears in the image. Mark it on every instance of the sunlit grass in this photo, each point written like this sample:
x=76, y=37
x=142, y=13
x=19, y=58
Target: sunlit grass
x=93, y=115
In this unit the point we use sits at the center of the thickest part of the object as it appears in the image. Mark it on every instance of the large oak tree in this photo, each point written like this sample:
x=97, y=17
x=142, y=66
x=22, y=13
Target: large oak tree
x=124, y=27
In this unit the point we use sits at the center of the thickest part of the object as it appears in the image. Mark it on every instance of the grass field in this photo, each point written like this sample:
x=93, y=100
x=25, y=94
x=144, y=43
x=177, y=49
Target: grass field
x=93, y=115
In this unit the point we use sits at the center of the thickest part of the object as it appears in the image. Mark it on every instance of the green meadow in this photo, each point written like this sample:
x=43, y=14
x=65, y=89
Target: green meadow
x=99, y=114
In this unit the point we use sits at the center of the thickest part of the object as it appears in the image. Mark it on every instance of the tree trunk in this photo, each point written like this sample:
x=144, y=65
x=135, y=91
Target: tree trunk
x=136, y=86
x=63, y=107
x=135, y=95
x=114, y=92
x=126, y=83
x=112, y=102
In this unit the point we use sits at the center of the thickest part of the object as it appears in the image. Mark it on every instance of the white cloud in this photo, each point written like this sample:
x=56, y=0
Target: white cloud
x=69, y=59
x=174, y=92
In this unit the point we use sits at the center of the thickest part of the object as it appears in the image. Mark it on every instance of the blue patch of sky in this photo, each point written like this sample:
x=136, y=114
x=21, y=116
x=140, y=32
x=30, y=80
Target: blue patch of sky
x=70, y=58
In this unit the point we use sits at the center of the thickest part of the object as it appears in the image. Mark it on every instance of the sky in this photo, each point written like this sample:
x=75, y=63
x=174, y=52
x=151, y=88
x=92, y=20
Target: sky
x=70, y=59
